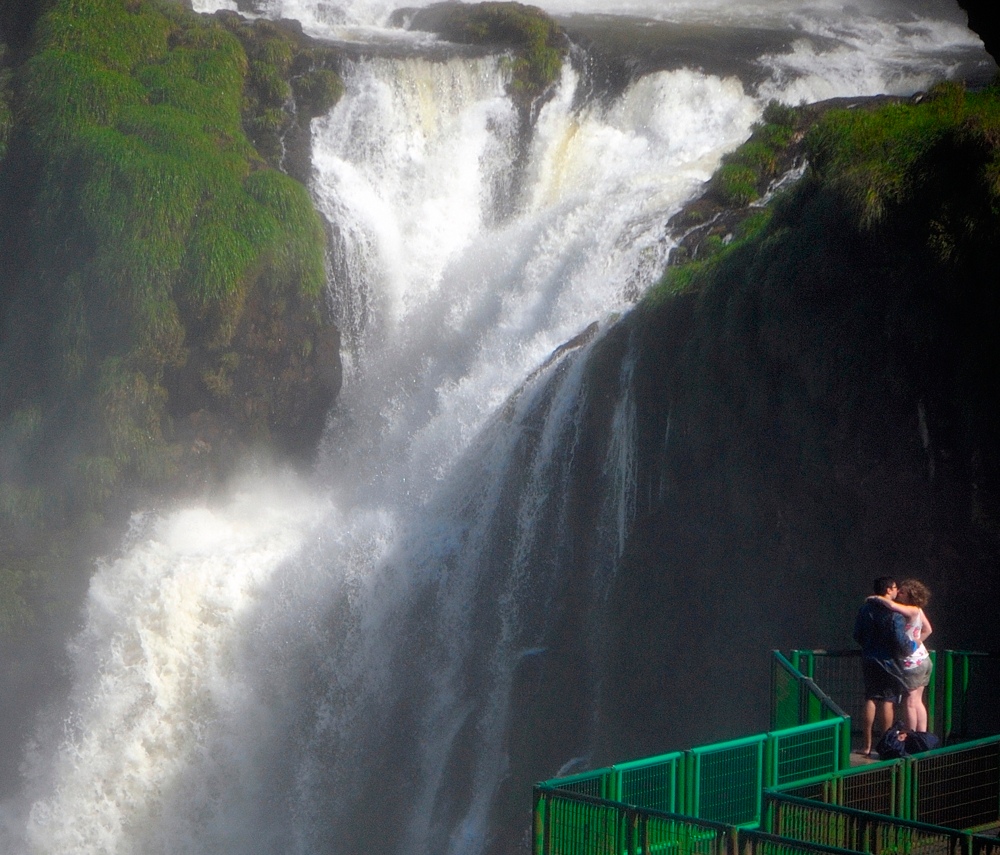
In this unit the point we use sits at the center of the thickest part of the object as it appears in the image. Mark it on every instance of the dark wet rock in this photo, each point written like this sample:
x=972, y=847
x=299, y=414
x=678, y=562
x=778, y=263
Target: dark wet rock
x=983, y=19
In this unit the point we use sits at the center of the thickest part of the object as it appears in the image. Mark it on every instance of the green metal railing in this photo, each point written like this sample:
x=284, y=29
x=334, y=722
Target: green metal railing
x=797, y=700
x=741, y=797
x=957, y=787
x=970, y=696
x=963, y=698
x=574, y=824
x=722, y=782
x=858, y=830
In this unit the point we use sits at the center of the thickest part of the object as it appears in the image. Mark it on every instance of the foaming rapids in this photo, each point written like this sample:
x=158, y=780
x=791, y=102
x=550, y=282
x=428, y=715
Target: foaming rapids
x=155, y=728
x=871, y=47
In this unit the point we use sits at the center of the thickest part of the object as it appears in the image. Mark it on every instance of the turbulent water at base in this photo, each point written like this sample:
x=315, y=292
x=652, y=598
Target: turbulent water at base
x=332, y=664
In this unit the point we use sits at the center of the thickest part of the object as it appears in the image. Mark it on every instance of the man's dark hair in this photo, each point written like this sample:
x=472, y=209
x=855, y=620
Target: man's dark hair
x=883, y=584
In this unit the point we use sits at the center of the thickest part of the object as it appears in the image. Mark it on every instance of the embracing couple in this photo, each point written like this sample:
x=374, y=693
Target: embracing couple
x=891, y=627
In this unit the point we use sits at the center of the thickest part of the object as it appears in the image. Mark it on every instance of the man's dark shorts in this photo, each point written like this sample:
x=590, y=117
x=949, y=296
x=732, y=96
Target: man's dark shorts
x=880, y=685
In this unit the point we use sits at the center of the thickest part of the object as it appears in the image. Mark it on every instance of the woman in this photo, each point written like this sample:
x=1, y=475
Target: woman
x=910, y=601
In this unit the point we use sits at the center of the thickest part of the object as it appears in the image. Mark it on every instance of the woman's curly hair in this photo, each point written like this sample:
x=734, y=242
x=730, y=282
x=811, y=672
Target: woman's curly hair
x=913, y=592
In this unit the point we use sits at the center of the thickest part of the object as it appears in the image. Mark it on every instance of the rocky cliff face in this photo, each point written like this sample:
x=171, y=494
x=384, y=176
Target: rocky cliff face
x=811, y=413
x=983, y=20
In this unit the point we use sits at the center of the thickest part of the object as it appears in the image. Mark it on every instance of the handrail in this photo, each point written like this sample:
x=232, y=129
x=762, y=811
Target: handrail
x=639, y=832
x=853, y=829
x=718, y=781
x=813, y=703
x=714, y=799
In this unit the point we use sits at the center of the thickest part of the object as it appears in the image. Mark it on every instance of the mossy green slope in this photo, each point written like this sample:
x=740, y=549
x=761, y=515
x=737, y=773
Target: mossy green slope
x=156, y=266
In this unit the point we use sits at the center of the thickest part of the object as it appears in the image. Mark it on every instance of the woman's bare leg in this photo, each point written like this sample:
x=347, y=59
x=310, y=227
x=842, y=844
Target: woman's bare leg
x=916, y=712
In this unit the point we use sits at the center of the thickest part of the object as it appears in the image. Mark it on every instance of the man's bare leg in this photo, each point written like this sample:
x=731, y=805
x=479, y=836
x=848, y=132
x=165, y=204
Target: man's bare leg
x=887, y=715
x=867, y=723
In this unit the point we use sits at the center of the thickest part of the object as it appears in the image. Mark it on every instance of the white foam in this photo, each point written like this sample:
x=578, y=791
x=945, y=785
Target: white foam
x=157, y=678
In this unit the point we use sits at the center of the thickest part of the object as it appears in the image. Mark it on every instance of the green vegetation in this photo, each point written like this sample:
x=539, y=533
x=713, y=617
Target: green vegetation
x=684, y=278
x=537, y=41
x=149, y=241
x=869, y=161
x=877, y=159
x=746, y=173
x=283, y=70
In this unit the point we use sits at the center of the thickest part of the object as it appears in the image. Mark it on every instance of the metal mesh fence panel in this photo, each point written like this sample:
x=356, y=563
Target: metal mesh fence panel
x=728, y=781
x=959, y=788
x=760, y=843
x=676, y=837
x=875, y=789
x=816, y=790
x=652, y=784
x=985, y=845
x=805, y=754
x=975, y=694
x=786, y=704
x=593, y=784
x=579, y=827
x=857, y=830
x=838, y=674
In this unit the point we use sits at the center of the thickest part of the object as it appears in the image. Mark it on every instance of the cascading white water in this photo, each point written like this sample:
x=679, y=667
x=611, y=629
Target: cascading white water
x=303, y=668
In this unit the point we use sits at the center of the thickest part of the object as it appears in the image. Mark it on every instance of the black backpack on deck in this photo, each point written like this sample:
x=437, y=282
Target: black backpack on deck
x=897, y=741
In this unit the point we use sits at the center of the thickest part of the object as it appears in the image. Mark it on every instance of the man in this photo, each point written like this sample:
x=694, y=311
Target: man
x=881, y=634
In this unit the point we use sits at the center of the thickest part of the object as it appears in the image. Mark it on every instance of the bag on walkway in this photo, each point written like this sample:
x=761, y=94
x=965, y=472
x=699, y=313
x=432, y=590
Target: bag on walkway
x=897, y=741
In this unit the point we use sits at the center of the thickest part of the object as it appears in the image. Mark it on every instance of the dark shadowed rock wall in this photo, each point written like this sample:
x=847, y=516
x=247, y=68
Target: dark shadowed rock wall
x=984, y=20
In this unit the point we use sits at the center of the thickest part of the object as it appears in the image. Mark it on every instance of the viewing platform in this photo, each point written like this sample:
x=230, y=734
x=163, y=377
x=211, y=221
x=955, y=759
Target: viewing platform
x=797, y=788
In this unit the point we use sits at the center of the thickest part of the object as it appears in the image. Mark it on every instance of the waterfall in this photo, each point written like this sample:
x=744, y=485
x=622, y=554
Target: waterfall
x=337, y=664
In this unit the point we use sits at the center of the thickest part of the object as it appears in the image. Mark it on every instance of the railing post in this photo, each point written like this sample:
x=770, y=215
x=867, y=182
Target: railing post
x=908, y=802
x=692, y=802
x=613, y=785
x=733, y=841
x=627, y=836
x=844, y=755
x=769, y=764
x=966, y=675
x=949, y=697
x=804, y=661
x=538, y=823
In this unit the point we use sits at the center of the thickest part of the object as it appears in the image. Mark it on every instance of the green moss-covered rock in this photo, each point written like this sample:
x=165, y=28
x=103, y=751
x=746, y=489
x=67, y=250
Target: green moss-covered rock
x=290, y=80
x=162, y=302
x=537, y=42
